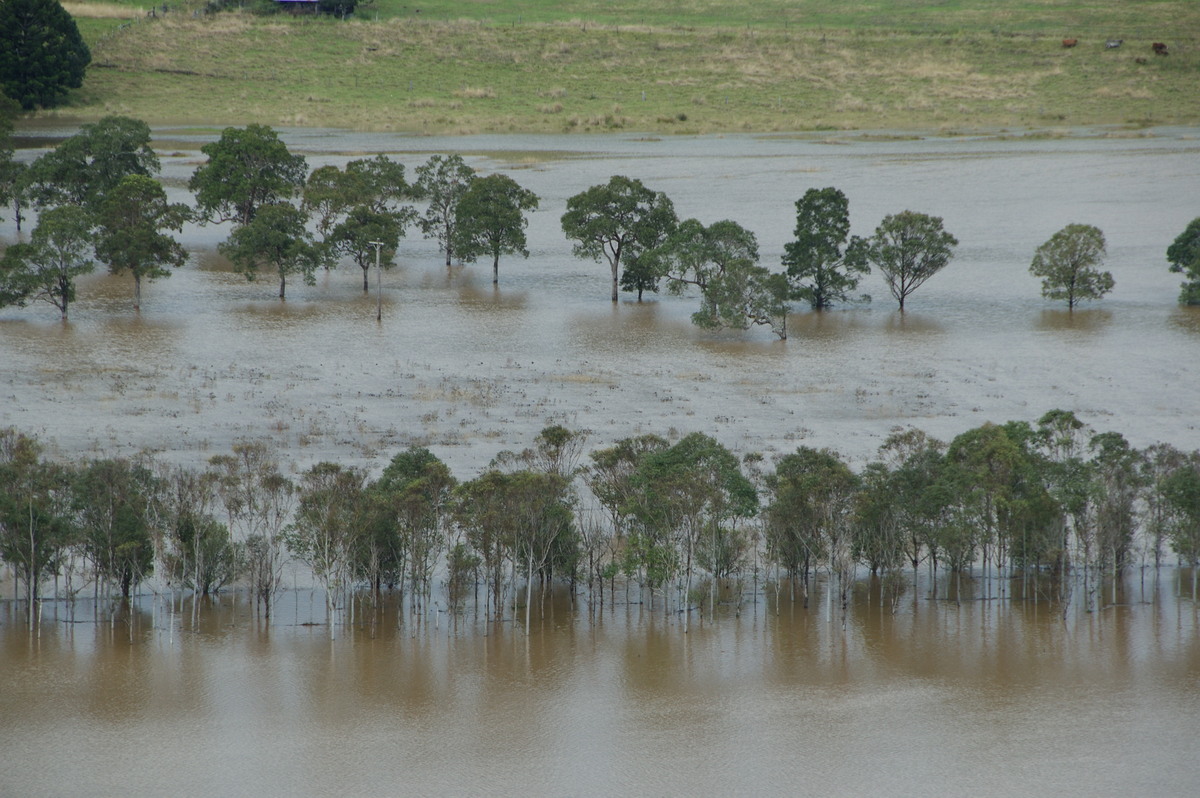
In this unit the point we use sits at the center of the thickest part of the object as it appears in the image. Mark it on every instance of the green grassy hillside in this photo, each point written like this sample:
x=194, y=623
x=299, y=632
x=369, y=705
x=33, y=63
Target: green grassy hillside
x=683, y=66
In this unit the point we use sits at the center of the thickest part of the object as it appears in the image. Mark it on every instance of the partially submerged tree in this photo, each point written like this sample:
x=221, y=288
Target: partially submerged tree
x=247, y=169
x=258, y=501
x=442, y=181
x=115, y=518
x=276, y=239
x=58, y=252
x=722, y=261
x=132, y=220
x=42, y=53
x=491, y=220
x=1184, y=257
x=36, y=519
x=908, y=248
x=824, y=264
x=1067, y=264
x=616, y=222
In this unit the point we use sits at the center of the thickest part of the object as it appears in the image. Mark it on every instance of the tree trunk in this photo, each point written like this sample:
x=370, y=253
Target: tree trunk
x=282, y=287
x=366, y=279
x=496, y=269
x=137, y=291
x=615, y=266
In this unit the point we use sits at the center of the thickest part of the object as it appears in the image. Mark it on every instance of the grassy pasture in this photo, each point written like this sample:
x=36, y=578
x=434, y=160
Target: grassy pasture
x=687, y=66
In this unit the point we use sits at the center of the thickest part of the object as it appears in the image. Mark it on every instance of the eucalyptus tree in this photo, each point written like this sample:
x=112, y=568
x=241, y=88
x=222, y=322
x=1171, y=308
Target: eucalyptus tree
x=1067, y=264
x=1184, y=256
x=690, y=496
x=278, y=240
x=36, y=517
x=811, y=517
x=824, y=263
x=325, y=533
x=131, y=222
x=609, y=477
x=1181, y=489
x=1157, y=463
x=915, y=462
x=258, y=501
x=1117, y=492
x=617, y=221
x=113, y=505
x=442, y=182
x=721, y=260
x=200, y=553
x=908, y=248
x=84, y=169
x=491, y=221
x=247, y=168
x=415, y=493
x=483, y=510
x=13, y=186
x=360, y=207
x=58, y=252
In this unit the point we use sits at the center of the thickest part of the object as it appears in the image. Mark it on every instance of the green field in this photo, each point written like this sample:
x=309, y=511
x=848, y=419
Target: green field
x=691, y=66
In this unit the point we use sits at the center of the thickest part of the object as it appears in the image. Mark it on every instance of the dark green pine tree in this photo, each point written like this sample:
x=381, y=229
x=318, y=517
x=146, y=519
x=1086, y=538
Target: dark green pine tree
x=42, y=54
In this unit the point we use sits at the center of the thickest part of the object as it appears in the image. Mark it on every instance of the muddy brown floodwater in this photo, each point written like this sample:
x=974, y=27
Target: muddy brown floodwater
x=990, y=698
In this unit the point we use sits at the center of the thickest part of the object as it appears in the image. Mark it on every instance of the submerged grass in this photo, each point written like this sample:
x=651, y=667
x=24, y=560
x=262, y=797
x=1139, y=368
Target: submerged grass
x=689, y=66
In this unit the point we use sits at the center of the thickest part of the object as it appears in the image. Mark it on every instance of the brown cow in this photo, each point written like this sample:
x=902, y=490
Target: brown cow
x=1159, y=48
x=1070, y=42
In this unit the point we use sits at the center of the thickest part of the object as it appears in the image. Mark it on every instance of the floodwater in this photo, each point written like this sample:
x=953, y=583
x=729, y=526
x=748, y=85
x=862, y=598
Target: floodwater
x=990, y=698
x=470, y=371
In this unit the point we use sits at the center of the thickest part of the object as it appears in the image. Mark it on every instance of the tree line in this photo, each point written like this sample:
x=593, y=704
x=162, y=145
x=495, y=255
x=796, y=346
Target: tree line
x=1026, y=501
x=98, y=199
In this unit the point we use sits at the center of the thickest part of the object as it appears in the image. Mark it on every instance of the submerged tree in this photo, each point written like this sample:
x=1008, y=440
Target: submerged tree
x=113, y=500
x=275, y=239
x=722, y=261
x=491, y=220
x=58, y=252
x=258, y=501
x=617, y=221
x=132, y=220
x=36, y=518
x=908, y=248
x=1067, y=265
x=442, y=181
x=824, y=264
x=1184, y=257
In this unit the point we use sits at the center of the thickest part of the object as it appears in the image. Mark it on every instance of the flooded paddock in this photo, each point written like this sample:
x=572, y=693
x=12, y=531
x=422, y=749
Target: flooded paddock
x=986, y=697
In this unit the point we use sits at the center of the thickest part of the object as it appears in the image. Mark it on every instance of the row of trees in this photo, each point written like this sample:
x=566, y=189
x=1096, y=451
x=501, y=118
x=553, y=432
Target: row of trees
x=97, y=194
x=1023, y=499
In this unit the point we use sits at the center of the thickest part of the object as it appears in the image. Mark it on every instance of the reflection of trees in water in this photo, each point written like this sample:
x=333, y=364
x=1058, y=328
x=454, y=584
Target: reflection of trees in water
x=1085, y=320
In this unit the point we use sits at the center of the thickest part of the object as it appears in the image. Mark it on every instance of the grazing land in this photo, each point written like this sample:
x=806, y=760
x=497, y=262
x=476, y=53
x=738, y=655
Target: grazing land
x=687, y=67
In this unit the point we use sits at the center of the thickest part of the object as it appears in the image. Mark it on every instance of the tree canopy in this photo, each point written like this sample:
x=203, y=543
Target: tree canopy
x=276, y=238
x=132, y=220
x=823, y=262
x=442, y=181
x=42, y=54
x=1184, y=257
x=491, y=220
x=617, y=221
x=45, y=268
x=1067, y=265
x=247, y=168
x=85, y=168
x=908, y=248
